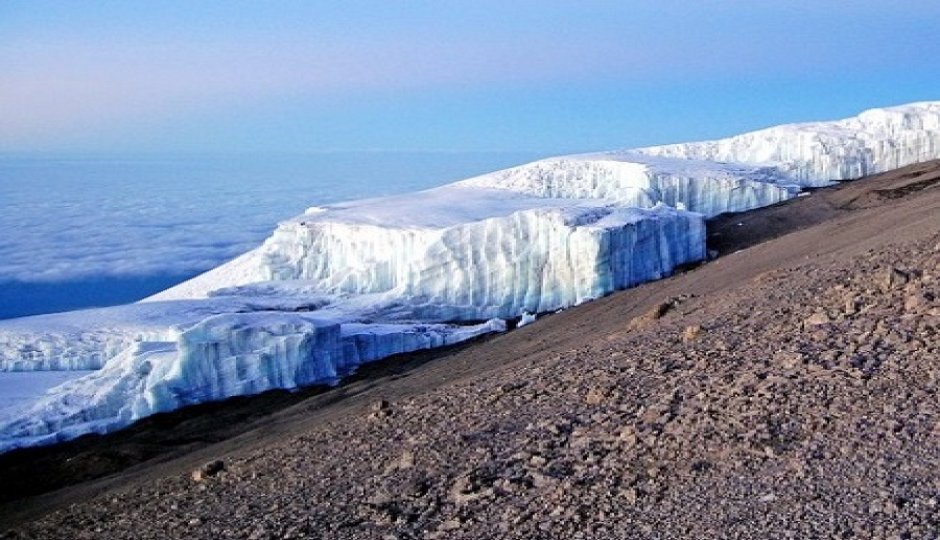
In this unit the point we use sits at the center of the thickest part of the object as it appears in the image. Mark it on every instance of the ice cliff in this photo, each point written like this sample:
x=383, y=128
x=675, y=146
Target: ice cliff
x=818, y=153
x=221, y=356
x=349, y=283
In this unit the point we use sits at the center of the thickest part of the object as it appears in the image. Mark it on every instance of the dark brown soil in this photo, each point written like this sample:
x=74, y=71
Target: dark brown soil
x=784, y=390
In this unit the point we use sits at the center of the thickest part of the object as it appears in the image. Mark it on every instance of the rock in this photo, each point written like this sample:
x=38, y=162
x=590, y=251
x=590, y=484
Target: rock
x=816, y=319
x=467, y=488
x=379, y=409
x=595, y=396
x=380, y=498
x=450, y=525
x=892, y=278
x=788, y=359
x=691, y=333
x=655, y=313
x=914, y=302
x=851, y=305
x=537, y=461
x=512, y=386
x=208, y=470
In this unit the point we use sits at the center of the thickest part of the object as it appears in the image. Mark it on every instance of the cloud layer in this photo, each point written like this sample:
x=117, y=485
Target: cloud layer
x=69, y=220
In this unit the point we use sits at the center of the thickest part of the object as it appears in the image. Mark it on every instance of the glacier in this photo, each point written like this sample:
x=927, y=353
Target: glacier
x=349, y=283
x=222, y=356
x=817, y=153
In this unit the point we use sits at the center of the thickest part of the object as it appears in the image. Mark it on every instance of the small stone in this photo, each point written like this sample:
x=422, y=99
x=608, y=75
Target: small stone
x=913, y=302
x=629, y=495
x=380, y=408
x=817, y=319
x=691, y=333
x=893, y=278
x=594, y=396
x=537, y=461
x=788, y=359
x=380, y=405
x=380, y=498
x=404, y=462
x=208, y=470
x=851, y=305
x=450, y=525
x=628, y=436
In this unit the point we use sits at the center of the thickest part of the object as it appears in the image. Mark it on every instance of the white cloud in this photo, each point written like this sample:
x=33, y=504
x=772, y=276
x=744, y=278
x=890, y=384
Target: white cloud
x=96, y=237
x=74, y=220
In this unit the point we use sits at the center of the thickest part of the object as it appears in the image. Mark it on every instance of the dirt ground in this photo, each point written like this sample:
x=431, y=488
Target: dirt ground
x=785, y=389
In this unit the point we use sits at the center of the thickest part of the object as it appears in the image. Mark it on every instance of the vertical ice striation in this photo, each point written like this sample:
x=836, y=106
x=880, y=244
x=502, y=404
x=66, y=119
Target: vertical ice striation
x=634, y=179
x=533, y=260
x=247, y=353
x=222, y=356
x=549, y=259
x=365, y=343
x=818, y=153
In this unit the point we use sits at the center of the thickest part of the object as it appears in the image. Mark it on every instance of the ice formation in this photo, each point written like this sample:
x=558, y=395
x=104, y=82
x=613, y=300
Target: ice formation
x=818, y=153
x=221, y=356
x=349, y=283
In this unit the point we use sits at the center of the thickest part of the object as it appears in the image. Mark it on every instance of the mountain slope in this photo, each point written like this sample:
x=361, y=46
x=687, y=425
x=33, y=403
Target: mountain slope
x=783, y=390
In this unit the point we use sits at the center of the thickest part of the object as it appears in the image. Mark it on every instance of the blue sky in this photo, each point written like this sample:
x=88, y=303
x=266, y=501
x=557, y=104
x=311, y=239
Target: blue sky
x=551, y=76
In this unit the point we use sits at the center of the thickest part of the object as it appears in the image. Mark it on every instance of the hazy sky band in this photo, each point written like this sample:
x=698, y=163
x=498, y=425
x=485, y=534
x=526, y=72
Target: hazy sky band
x=554, y=76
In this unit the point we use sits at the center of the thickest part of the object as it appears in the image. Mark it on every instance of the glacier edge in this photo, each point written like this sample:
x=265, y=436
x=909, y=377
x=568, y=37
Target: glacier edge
x=349, y=283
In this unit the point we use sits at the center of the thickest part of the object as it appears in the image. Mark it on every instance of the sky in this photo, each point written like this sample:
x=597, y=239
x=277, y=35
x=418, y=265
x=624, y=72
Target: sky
x=552, y=76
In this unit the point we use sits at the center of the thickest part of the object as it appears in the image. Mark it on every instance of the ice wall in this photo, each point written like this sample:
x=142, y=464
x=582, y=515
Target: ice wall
x=815, y=154
x=637, y=180
x=484, y=252
x=222, y=356
x=534, y=260
x=88, y=339
x=369, y=246
x=242, y=341
x=549, y=259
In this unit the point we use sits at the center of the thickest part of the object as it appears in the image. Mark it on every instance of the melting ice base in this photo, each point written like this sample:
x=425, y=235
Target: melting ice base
x=349, y=283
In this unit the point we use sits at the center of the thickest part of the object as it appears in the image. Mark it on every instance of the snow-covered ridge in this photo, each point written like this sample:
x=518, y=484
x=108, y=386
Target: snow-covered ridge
x=818, y=153
x=349, y=283
x=634, y=179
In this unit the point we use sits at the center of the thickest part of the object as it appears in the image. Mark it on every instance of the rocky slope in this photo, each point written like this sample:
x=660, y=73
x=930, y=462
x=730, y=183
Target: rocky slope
x=784, y=391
